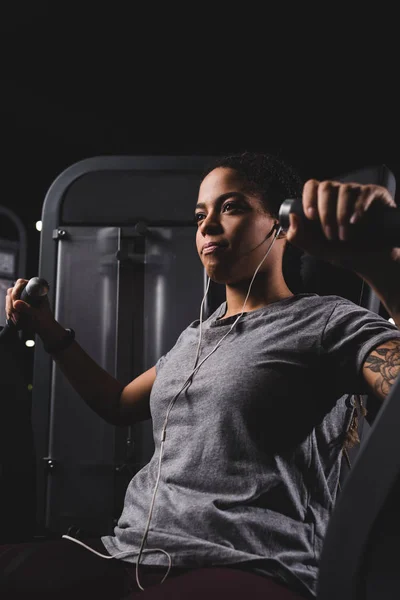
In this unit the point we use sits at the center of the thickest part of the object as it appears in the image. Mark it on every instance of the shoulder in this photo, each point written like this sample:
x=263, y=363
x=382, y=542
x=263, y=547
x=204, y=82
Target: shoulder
x=315, y=306
x=350, y=326
x=342, y=307
x=311, y=299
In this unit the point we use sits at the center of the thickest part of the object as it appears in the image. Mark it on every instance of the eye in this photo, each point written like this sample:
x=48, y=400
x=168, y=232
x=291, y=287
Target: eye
x=198, y=217
x=230, y=206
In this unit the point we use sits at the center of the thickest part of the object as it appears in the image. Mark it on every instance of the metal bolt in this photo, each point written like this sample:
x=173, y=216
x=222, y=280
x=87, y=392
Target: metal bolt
x=141, y=228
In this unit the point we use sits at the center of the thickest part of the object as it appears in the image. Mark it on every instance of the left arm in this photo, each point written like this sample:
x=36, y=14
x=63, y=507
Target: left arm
x=338, y=206
x=382, y=367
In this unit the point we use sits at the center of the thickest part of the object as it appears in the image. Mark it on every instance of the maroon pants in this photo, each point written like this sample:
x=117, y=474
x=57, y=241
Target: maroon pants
x=61, y=570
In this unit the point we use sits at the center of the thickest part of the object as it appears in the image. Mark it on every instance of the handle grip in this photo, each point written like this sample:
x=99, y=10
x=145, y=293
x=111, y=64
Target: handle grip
x=33, y=294
x=379, y=227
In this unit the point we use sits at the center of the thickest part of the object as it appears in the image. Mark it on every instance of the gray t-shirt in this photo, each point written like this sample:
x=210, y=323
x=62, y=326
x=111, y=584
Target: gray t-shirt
x=253, y=447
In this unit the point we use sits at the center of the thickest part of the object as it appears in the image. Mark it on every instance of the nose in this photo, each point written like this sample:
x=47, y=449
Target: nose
x=211, y=224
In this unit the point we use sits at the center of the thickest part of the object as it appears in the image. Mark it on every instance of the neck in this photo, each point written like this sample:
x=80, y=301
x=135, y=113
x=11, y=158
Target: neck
x=261, y=294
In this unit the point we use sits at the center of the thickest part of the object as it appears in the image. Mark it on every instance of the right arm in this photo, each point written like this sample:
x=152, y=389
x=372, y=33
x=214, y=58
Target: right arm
x=115, y=403
x=104, y=394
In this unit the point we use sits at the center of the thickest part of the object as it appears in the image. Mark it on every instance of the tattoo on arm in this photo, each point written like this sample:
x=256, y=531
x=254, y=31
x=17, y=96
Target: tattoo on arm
x=385, y=362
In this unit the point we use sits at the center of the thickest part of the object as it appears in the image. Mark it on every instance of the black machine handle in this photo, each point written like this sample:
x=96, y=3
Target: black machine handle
x=33, y=294
x=379, y=227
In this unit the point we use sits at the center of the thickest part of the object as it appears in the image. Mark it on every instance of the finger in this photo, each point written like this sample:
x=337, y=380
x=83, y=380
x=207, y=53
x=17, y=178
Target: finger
x=310, y=199
x=12, y=296
x=327, y=207
x=22, y=307
x=8, y=304
x=291, y=232
x=295, y=233
x=10, y=308
x=347, y=198
x=17, y=289
x=370, y=194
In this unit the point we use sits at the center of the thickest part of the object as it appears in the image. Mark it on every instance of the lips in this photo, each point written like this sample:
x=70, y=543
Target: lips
x=211, y=247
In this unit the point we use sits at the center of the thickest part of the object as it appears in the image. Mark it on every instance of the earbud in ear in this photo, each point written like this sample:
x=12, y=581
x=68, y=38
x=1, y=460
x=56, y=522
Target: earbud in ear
x=282, y=233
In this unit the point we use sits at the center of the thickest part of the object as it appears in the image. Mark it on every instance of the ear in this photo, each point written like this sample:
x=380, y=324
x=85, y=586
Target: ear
x=282, y=234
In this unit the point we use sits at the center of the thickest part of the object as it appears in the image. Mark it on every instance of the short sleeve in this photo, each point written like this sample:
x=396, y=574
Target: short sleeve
x=350, y=334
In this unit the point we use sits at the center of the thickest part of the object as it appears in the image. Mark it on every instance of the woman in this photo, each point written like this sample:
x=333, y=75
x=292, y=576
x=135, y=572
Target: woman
x=248, y=435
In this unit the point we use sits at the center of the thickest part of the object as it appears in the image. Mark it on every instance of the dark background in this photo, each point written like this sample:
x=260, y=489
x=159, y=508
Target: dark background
x=82, y=79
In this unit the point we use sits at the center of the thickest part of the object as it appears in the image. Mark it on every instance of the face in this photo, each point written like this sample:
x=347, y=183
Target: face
x=235, y=221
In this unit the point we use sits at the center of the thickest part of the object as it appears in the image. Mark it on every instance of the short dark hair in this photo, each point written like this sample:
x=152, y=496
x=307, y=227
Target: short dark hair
x=275, y=181
x=267, y=175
